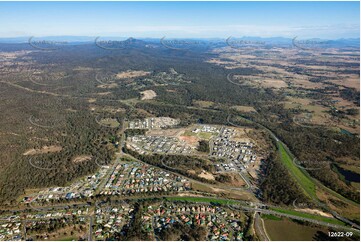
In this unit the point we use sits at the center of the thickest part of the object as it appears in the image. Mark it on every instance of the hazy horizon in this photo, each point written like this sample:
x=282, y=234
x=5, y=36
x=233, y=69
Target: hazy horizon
x=324, y=20
x=87, y=38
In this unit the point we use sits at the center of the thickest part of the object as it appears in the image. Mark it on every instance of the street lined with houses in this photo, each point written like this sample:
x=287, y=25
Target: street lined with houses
x=129, y=180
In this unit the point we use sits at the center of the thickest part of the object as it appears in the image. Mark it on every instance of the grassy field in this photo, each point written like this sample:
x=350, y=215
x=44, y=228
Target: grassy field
x=205, y=135
x=309, y=216
x=287, y=230
x=189, y=133
x=201, y=135
x=306, y=183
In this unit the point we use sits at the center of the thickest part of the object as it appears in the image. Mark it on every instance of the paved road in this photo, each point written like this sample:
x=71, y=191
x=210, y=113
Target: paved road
x=242, y=205
x=318, y=202
x=171, y=170
x=57, y=207
x=260, y=228
x=90, y=228
x=272, y=212
x=253, y=208
x=246, y=180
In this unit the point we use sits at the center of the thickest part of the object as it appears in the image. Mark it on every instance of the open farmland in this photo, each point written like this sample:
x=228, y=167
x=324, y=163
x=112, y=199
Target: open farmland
x=200, y=135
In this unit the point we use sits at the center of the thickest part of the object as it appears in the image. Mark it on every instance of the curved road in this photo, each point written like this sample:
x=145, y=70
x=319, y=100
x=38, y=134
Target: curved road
x=319, y=203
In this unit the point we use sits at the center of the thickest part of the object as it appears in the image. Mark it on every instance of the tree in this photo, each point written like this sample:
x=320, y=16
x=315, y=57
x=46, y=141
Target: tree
x=203, y=146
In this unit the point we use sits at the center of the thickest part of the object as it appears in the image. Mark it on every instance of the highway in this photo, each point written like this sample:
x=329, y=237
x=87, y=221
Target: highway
x=244, y=205
x=272, y=212
x=247, y=206
x=241, y=205
x=316, y=200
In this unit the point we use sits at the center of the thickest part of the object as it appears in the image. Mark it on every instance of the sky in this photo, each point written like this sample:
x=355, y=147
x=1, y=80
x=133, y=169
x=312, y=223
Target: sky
x=327, y=20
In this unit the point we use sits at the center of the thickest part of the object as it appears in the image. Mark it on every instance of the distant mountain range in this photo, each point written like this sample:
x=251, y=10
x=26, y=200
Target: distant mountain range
x=343, y=42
